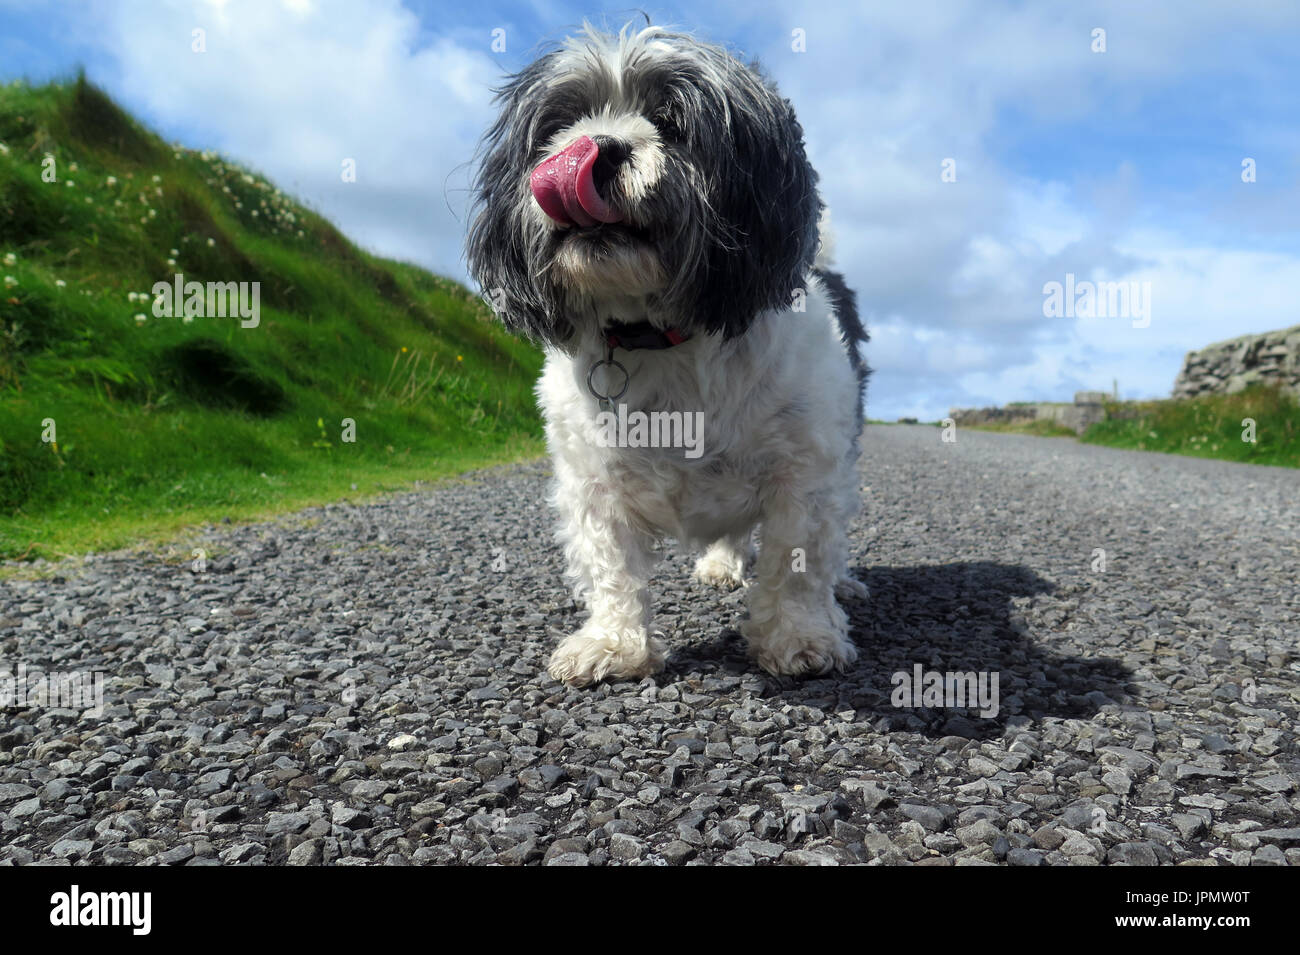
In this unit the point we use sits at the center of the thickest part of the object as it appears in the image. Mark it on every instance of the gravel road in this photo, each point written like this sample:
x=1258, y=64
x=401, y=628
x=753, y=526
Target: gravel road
x=366, y=684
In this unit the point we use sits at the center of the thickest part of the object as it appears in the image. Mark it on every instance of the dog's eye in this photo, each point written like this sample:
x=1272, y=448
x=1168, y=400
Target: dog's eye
x=666, y=124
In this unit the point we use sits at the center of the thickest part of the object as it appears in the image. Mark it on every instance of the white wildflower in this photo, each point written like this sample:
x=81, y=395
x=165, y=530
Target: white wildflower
x=10, y=281
x=11, y=259
x=59, y=283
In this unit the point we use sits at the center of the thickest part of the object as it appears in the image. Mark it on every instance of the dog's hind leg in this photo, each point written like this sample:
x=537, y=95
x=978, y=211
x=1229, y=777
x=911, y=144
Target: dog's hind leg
x=723, y=564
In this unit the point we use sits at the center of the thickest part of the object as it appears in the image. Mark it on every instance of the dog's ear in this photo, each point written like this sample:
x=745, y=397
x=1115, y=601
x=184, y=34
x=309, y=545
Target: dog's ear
x=501, y=246
x=767, y=207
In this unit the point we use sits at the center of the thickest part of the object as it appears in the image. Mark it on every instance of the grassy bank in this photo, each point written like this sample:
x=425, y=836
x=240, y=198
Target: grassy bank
x=360, y=375
x=1208, y=427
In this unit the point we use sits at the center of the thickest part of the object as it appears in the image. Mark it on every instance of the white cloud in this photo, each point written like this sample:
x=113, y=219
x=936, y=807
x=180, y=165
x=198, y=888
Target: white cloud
x=295, y=88
x=949, y=275
x=892, y=90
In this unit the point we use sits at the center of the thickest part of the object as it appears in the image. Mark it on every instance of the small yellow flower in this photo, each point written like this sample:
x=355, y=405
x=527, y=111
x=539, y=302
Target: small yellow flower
x=458, y=358
x=403, y=348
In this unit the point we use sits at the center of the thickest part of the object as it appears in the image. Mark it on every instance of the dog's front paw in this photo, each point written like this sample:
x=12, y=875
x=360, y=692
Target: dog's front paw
x=596, y=653
x=789, y=646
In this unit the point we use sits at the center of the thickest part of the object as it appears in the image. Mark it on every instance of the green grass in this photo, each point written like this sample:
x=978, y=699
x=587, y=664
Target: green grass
x=161, y=423
x=1208, y=427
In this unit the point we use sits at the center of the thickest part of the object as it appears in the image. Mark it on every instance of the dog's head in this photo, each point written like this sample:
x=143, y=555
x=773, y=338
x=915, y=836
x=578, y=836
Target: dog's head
x=647, y=171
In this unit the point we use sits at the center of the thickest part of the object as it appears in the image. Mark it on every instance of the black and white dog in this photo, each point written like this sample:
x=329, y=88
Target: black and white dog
x=645, y=209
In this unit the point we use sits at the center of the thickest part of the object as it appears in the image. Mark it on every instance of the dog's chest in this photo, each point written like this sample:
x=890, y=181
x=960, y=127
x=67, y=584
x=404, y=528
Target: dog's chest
x=693, y=503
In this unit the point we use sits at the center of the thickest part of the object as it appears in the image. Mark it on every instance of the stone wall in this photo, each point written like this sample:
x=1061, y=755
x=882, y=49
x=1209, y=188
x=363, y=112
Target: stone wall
x=1086, y=410
x=1229, y=367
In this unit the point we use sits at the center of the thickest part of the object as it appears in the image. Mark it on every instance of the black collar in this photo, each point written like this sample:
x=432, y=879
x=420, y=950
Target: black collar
x=642, y=335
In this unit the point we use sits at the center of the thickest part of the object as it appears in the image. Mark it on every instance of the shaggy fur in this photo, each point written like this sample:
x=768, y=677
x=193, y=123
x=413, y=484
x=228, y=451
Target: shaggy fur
x=705, y=163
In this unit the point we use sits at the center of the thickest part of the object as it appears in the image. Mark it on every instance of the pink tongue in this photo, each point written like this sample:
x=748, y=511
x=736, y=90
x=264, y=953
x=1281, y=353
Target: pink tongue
x=563, y=186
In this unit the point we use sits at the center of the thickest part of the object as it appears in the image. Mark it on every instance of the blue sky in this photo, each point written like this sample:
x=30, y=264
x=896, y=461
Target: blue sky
x=1123, y=165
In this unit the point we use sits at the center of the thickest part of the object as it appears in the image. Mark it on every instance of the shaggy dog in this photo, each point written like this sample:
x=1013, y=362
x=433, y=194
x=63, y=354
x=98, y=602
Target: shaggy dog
x=644, y=208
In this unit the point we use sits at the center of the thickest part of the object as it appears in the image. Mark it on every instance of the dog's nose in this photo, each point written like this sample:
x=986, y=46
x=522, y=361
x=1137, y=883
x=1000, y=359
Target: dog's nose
x=568, y=187
x=611, y=155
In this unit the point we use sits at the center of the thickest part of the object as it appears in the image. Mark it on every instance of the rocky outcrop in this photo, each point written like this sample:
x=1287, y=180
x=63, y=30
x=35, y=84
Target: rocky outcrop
x=1232, y=366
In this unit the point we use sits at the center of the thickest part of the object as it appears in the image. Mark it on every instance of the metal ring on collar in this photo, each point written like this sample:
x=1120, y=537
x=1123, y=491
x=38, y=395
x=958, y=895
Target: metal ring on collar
x=592, y=388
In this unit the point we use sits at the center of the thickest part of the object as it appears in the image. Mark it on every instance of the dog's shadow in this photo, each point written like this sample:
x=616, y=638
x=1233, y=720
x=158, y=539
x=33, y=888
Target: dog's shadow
x=950, y=618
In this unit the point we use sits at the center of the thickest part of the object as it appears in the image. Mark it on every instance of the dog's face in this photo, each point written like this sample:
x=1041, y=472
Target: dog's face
x=642, y=170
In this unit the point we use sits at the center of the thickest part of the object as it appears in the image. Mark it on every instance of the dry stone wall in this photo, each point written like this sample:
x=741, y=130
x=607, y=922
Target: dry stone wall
x=1232, y=366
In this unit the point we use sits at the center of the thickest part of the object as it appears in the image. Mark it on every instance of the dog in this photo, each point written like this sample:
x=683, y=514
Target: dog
x=644, y=209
